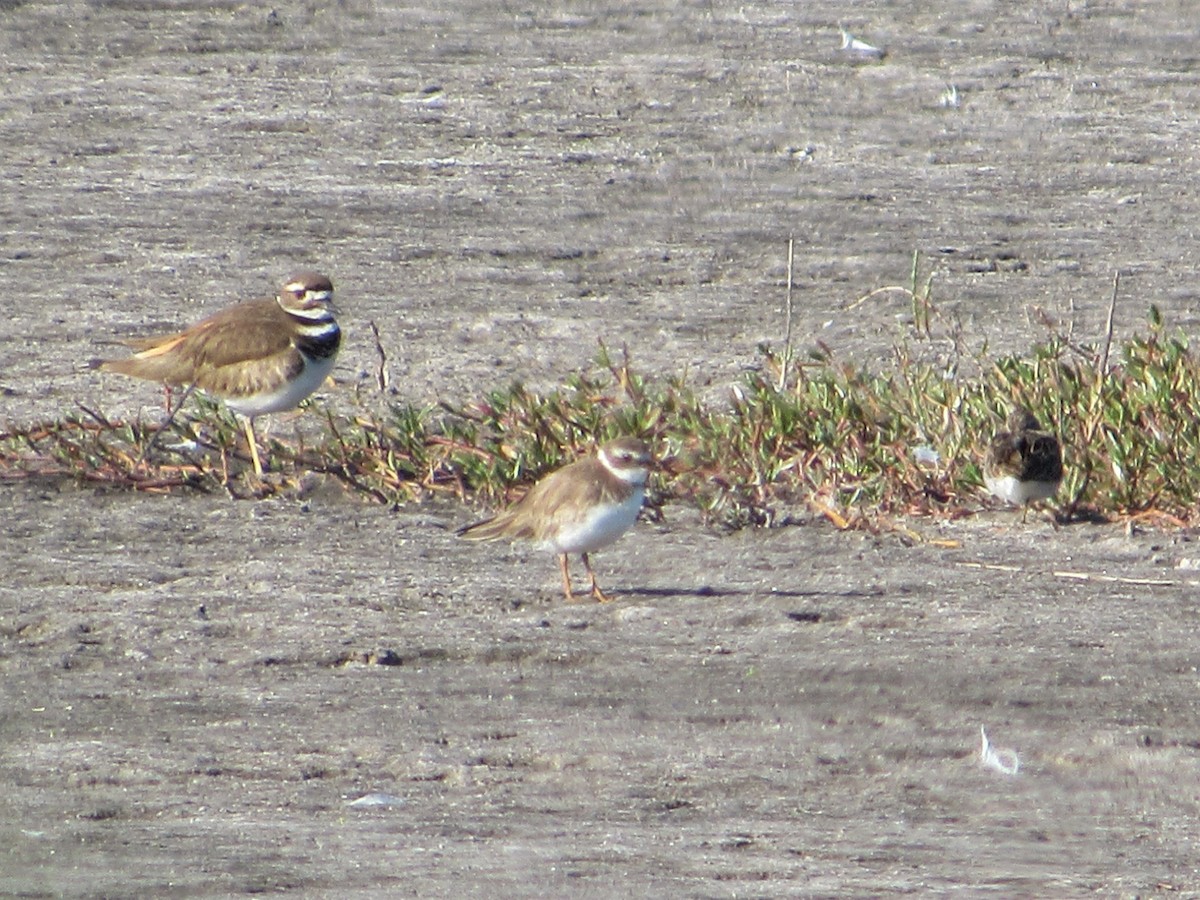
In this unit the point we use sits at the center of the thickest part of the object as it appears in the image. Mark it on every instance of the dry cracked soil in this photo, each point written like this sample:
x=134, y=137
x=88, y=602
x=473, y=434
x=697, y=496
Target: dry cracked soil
x=202, y=697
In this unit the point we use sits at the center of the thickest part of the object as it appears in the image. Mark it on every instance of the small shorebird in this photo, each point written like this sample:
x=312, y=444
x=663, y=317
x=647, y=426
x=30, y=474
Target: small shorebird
x=259, y=357
x=1023, y=462
x=577, y=509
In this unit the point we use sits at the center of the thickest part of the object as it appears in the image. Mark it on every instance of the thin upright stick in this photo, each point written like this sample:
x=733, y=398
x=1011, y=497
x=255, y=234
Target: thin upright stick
x=1108, y=328
x=787, y=326
x=381, y=377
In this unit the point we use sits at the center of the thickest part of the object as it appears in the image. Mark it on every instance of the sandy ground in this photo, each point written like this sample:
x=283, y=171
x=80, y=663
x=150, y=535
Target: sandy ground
x=194, y=691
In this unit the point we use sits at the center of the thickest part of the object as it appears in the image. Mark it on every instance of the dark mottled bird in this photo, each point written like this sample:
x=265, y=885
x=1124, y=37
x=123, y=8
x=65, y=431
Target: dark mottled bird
x=1024, y=463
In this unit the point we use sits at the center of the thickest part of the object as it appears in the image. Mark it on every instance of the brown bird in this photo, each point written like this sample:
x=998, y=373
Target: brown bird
x=259, y=357
x=577, y=509
x=1023, y=462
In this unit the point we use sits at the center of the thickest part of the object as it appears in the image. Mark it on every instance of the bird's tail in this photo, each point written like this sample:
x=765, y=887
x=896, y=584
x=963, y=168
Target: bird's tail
x=487, y=530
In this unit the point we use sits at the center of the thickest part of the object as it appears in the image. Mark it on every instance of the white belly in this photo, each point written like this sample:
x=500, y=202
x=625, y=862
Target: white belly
x=599, y=528
x=1018, y=492
x=287, y=396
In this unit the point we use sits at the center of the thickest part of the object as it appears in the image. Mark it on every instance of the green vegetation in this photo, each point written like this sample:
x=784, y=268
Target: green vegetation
x=858, y=446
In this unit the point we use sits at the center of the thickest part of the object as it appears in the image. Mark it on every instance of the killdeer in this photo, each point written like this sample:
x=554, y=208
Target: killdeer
x=262, y=356
x=577, y=509
x=1023, y=462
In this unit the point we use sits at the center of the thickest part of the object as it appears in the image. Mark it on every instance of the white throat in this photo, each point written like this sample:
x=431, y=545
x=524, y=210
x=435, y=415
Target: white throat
x=318, y=313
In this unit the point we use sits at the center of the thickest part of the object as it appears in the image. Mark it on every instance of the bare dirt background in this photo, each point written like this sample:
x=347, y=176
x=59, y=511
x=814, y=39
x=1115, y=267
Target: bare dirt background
x=194, y=689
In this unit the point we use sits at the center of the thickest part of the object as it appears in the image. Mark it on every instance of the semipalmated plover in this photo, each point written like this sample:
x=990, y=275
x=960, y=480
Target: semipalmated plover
x=577, y=509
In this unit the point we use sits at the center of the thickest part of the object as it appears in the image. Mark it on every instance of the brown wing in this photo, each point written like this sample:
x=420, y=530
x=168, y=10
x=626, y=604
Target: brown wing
x=1004, y=454
x=552, y=502
x=251, y=331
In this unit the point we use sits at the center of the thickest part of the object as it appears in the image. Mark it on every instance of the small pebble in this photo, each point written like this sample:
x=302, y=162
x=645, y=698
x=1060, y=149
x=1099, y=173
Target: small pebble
x=380, y=801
